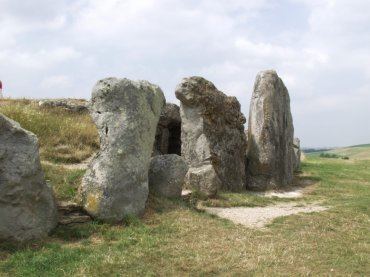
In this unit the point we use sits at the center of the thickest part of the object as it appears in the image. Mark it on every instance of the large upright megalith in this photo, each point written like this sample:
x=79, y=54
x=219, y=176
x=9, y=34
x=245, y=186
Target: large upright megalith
x=212, y=135
x=270, y=134
x=126, y=114
x=27, y=206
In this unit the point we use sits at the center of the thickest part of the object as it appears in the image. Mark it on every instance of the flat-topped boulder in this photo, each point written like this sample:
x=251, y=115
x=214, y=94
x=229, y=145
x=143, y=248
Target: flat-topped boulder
x=126, y=114
x=212, y=133
x=27, y=207
x=270, y=134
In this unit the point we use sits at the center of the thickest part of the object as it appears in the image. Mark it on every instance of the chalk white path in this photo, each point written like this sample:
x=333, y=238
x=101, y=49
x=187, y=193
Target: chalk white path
x=258, y=217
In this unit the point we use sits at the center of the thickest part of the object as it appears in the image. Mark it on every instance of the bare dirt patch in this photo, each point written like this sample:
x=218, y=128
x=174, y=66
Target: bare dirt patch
x=258, y=217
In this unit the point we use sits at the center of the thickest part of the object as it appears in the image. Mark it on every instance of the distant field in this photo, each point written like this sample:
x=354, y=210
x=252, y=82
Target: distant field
x=358, y=152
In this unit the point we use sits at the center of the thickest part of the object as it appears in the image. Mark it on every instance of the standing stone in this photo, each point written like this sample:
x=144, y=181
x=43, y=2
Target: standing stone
x=126, y=114
x=166, y=175
x=296, y=154
x=270, y=134
x=212, y=133
x=168, y=135
x=27, y=207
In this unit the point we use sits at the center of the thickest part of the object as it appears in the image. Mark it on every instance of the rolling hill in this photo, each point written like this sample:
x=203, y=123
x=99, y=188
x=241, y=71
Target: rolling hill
x=358, y=152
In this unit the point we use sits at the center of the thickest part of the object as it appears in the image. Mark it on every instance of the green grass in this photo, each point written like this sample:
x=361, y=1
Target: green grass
x=175, y=239
x=246, y=199
x=64, y=181
x=64, y=137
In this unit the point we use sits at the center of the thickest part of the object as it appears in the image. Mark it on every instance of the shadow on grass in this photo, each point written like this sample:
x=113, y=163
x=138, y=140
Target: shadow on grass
x=82, y=233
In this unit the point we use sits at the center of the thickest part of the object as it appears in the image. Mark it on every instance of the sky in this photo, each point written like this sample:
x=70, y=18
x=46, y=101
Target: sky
x=320, y=49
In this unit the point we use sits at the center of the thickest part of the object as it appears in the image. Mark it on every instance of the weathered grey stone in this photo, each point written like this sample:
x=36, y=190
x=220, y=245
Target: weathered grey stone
x=296, y=154
x=270, y=134
x=126, y=114
x=203, y=179
x=27, y=207
x=166, y=175
x=212, y=133
x=73, y=105
x=168, y=135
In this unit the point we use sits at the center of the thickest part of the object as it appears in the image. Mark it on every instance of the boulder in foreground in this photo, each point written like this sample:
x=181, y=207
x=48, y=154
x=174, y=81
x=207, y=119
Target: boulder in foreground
x=27, y=206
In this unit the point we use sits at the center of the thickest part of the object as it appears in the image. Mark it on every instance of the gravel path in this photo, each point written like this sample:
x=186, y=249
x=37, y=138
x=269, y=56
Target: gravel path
x=258, y=217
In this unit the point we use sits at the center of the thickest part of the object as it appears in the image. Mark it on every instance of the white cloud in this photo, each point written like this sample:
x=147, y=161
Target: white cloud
x=57, y=81
x=318, y=47
x=40, y=59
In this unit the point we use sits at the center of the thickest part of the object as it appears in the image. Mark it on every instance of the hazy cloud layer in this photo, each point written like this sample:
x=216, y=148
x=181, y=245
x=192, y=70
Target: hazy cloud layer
x=319, y=47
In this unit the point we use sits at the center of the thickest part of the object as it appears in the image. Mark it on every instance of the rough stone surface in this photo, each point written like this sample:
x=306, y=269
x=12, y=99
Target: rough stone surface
x=212, y=133
x=71, y=213
x=73, y=105
x=270, y=134
x=296, y=154
x=126, y=114
x=204, y=179
x=166, y=175
x=27, y=207
x=168, y=135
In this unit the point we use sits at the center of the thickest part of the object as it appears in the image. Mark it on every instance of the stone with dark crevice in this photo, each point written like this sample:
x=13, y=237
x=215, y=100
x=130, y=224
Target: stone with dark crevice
x=168, y=134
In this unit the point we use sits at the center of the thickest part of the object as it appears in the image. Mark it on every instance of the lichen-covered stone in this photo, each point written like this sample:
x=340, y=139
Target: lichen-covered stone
x=126, y=114
x=27, y=207
x=166, y=175
x=168, y=135
x=212, y=132
x=270, y=134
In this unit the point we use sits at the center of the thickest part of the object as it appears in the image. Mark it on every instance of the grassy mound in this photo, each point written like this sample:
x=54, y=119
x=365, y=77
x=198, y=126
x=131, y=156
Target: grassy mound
x=64, y=137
